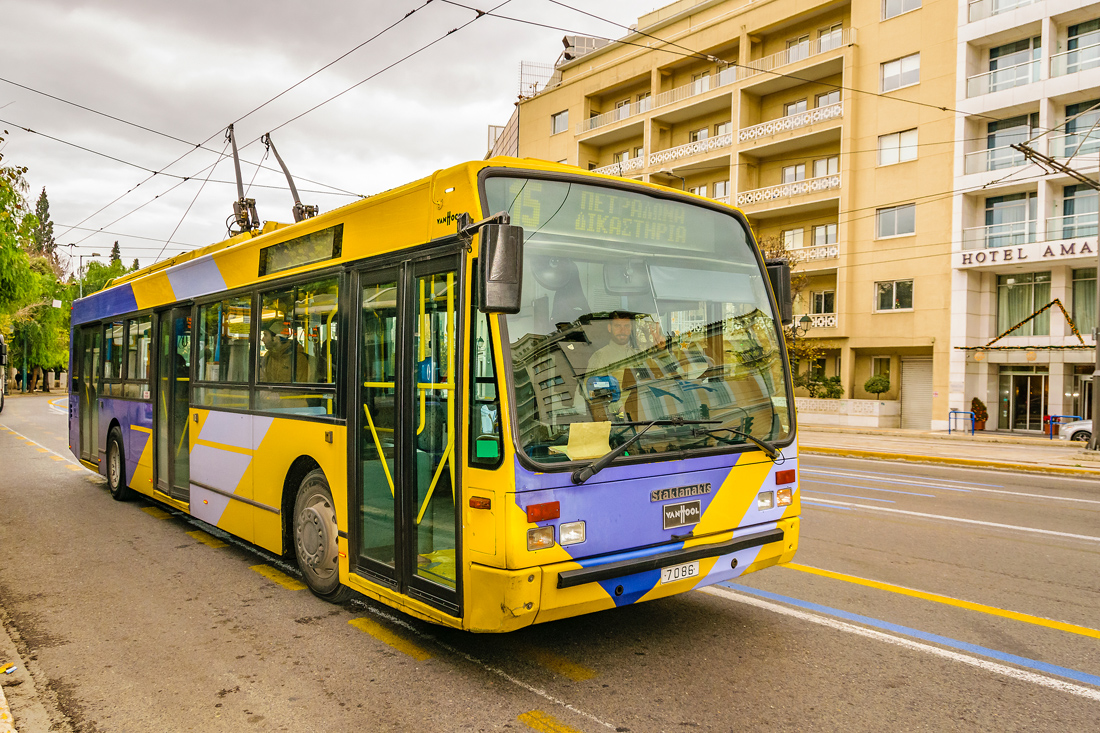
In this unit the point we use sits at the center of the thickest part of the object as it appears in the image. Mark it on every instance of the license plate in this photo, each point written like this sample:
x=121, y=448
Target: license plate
x=679, y=572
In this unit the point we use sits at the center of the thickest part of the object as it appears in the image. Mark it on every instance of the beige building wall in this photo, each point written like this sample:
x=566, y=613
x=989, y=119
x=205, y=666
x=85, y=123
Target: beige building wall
x=778, y=107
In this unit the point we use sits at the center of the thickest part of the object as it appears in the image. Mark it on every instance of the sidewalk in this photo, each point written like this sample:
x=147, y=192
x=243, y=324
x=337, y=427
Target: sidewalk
x=1005, y=451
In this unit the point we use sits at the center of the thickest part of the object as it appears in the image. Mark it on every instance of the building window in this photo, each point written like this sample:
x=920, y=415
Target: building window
x=792, y=238
x=700, y=82
x=824, y=234
x=895, y=295
x=1084, y=299
x=880, y=366
x=823, y=303
x=827, y=166
x=1083, y=40
x=696, y=135
x=829, y=38
x=698, y=190
x=824, y=100
x=721, y=189
x=1010, y=220
x=1000, y=134
x=621, y=157
x=896, y=221
x=793, y=173
x=556, y=399
x=644, y=101
x=900, y=73
x=1082, y=124
x=559, y=122
x=897, y=147
x=798, y=48
x=892, y=8
x=1079, y=213
x=794, y=108
x=725, y=128
x=1014, y=64
x=1018, y=296
x=552, y=381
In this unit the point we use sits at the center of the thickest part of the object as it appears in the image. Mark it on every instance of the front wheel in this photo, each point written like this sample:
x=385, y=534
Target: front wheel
x=116, y=467
x=315, y=538
x=1082, y=436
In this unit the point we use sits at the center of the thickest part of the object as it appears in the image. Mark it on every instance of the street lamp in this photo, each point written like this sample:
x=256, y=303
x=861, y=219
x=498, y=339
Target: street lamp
x=80, y=270
x=802, y=326
x=683, y=181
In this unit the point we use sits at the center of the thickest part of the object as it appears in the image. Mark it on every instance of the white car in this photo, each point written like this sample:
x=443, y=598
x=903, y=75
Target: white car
x=1080, y=430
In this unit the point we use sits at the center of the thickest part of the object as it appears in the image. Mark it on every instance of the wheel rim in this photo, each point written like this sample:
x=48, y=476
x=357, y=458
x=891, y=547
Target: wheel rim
x=315, y=536
x=114, y=466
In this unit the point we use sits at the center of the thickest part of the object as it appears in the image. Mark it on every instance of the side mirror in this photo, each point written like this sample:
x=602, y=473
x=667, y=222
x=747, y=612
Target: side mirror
x=501, y=258
x=779, y=272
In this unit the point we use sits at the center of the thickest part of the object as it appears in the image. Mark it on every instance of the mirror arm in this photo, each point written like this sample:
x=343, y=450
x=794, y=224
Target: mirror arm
x=467, y=228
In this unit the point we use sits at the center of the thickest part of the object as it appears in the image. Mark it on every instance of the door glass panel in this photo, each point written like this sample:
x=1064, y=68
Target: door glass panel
x=434, y=373
x=378, y=305
x=165, y=377
x=181, y=354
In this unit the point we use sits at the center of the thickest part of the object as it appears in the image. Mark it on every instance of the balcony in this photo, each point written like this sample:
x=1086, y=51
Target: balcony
x=789, y=190
x=670, y=155
x=1072, y=226
x=1001, y=79
x=1009, y=234
x=814, y=253
x=993, y=159
x=622, y=168
x=792, y=122
x=1076, y=144
x=819, y=320
x=1079, y=59
x=982, y=9
x=696, y=88
x=801, y=52
x=616, y=115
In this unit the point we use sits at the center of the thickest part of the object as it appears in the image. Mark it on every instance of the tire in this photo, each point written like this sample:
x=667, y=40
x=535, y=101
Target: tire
x=315, y=537
x=1081, y=436
x=116, y=467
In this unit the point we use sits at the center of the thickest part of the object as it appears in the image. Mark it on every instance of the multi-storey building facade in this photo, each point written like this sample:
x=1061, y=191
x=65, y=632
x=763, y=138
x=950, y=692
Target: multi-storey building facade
x=1027, y=72
x=828, y=124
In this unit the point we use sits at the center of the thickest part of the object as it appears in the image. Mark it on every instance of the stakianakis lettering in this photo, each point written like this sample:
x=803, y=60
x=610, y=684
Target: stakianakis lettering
x=680, y=492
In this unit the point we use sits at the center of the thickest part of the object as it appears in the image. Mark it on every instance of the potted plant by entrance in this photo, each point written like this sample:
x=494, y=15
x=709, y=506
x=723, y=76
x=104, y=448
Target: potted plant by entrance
x=877, y=384
x=981, y=414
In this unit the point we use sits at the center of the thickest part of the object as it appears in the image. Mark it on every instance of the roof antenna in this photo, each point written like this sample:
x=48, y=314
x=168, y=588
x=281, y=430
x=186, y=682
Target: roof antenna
x=244, y=210
x=301, y=211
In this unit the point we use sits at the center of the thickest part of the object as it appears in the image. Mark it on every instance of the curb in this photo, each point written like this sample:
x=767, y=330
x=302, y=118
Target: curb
x=968, y=462
x=7, y=723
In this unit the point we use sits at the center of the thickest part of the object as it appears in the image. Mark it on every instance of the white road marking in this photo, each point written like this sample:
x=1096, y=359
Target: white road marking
x=985, y=664
x=1018, y=528
x=68, y=458
x=940, y=484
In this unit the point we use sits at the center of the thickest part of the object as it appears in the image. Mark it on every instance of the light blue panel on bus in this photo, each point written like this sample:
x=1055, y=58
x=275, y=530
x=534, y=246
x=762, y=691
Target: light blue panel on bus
x=197, y=277
x=219, y=460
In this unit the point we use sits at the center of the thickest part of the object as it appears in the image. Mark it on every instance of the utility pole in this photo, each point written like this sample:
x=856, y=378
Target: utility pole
x=1054, y=166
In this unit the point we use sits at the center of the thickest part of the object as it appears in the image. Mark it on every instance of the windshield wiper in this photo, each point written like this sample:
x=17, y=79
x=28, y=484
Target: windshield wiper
x=583, y=474
x=769, y=450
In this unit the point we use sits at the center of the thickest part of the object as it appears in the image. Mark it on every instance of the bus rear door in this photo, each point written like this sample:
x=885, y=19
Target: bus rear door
x=173, y=388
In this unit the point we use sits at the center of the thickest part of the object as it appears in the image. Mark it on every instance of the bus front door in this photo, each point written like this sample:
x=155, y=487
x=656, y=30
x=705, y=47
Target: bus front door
x=88, y=407
x=173, y=394
x=405, y=531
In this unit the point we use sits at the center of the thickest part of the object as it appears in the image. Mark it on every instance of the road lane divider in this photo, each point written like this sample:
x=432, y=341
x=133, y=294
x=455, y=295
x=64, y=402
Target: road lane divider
x=544, y=722
x=998, y=525
x=948, y=600
x=865, y=488
x=156, y=512
x=207, y=539
x=831, y=618
x=279, y=577
x=938, y=484
x=558, y=664
x=387, y=637
x=63, y=457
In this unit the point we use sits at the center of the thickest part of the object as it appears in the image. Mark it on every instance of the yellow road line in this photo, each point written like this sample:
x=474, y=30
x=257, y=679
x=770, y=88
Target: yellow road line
x=155, y=512
x=57, y=458
x=207, y=539
x=43, y=450
x=559, y=664
x=948, y=600
x=384, y=635
x=278, y=577
x=75, y=468
x=544, y=723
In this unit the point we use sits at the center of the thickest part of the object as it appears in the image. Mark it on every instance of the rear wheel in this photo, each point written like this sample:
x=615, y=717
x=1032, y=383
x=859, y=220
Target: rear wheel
x=1082, y=436
x=315, y=538
x=116, y=467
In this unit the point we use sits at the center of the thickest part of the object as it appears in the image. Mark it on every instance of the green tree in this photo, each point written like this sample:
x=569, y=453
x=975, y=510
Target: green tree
x=42, y=233
x=116, y=253
x=801, y=351
x=136, y=266
x=16, y=224
x=97, y=275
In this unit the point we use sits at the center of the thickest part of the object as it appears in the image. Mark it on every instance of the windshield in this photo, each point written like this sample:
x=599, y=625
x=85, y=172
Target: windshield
x=637, y=308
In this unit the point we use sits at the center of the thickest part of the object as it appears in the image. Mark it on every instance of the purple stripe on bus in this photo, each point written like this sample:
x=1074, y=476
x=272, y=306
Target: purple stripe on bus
x=104, y=304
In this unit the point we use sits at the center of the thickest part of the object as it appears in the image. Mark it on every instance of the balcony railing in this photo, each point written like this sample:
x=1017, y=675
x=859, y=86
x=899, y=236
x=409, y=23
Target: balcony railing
x=623, y=167
x=1076, y=144
x=1009, y=234
x=791, y=122
x=686, y=151
x=993, y=159
x=819, y=320
x=788, y=190
x=986, y=8
x=1000, y=79
x=816, y=47
x=1079, y=59
x=615, y=115
x=722, y=199
x=815, y=252
x=1072, y=226
x=723, y=78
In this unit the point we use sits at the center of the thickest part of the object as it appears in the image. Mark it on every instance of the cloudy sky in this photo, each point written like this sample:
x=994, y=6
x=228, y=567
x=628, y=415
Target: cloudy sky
x=185, y=70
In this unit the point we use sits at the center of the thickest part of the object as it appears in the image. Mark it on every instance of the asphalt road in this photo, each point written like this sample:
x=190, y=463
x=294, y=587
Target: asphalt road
x=922, y=598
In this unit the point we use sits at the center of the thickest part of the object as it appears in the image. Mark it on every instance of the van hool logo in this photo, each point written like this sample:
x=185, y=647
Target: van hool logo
x=682, y=514
x=448, y=219
x=680, y=492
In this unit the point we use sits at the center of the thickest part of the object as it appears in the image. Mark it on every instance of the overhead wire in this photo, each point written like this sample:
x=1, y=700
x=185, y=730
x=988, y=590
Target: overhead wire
x=196, y=198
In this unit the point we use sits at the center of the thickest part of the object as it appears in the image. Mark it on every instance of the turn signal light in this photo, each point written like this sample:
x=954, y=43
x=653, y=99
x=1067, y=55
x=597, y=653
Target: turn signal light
x=783, y=497
x=785, y=477
x=542, y=512
x=540, y=538
x=481, y=502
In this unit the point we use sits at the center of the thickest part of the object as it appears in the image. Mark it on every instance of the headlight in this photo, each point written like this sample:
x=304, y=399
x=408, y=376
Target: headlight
x=540, y=538
x=765, y=500
x=571, y=533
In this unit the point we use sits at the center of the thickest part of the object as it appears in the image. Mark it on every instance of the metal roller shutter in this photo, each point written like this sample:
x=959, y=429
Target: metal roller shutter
x=916, y=393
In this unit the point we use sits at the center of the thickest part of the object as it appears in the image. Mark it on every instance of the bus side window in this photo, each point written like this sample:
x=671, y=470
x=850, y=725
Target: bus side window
x=487, y=446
